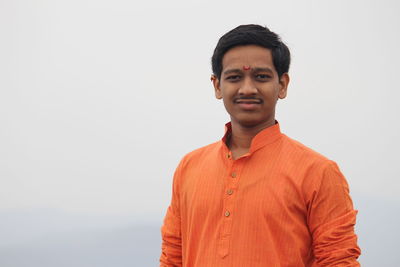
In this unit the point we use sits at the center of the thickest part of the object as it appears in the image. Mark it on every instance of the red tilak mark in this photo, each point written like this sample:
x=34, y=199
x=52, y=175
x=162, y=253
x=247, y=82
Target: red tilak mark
x=246, y=68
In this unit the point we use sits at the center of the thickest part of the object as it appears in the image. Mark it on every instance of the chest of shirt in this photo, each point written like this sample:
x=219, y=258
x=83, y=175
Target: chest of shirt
x=253, y=187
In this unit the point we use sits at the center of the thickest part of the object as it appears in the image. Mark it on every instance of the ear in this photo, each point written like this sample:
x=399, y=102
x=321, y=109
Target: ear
x=283, y=82
x=217, y=86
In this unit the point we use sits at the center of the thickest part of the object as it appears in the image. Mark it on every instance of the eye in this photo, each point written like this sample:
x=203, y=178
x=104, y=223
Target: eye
x=233, y=78
x=263, y=76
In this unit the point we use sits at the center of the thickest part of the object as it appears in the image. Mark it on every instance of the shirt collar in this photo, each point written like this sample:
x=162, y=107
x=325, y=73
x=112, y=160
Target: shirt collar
x=263, y=138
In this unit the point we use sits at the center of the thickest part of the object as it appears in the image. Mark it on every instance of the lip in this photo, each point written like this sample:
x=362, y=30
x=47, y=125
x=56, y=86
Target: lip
x=248, y=104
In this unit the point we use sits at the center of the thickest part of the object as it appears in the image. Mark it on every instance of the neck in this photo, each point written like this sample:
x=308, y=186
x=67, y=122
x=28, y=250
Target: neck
x=241, y=137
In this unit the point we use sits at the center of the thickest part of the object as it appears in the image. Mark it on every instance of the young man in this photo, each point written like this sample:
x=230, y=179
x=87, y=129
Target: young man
x=257, y=198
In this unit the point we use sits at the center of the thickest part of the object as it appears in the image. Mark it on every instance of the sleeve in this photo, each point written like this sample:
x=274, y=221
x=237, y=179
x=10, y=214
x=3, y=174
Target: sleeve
x=331, y=220
x=171, y=248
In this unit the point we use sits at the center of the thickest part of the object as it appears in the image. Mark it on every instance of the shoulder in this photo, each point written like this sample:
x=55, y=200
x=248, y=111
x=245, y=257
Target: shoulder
x=302, y=152
x=201, y=153
x=306, y=161
x=195, y=160
x=316, y=169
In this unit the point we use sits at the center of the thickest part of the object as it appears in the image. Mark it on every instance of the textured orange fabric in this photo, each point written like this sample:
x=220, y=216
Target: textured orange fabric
x=281, y=204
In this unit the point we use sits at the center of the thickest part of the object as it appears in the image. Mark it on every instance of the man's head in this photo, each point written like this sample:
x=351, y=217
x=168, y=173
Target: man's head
x=252, y=35
x=250, y=66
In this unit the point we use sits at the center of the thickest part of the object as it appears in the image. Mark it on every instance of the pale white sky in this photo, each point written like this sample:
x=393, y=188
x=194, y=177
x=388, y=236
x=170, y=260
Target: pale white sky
x=99, y=100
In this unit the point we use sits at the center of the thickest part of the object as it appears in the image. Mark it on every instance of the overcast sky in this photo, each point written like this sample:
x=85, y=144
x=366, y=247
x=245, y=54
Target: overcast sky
x=99, y=100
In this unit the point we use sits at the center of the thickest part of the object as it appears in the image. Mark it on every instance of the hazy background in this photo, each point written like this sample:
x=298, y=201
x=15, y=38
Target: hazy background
x=100, y=99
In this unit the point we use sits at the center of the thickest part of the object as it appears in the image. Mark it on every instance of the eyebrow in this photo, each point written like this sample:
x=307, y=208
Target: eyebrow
x=231, y=71
x=263, y=70
x=253, y=69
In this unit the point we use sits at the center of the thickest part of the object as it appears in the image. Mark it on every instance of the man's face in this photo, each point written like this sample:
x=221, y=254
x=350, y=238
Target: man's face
x=250, y=86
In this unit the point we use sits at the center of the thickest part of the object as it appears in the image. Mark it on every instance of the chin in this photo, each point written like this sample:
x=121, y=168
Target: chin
x=249, y=123
x=253, y=122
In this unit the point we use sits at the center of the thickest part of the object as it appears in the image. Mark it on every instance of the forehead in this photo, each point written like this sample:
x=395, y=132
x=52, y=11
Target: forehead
x=248, y=55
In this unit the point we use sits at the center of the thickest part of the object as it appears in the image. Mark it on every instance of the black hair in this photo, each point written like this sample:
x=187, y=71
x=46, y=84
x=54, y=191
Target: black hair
x=252, y=34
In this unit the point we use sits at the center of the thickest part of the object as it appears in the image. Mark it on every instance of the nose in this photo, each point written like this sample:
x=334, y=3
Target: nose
x=247, y=87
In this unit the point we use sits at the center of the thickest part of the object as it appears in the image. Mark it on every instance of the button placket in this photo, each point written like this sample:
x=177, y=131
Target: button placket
x=228, y=212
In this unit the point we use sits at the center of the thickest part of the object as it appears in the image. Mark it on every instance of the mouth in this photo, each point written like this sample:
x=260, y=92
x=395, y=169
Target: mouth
x=248, y=104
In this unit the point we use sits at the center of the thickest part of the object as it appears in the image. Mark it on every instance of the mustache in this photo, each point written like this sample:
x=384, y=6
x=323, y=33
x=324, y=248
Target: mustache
x=248, y=98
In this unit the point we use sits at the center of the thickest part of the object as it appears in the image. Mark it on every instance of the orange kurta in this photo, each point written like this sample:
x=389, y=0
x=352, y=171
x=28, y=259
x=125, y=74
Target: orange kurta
x=281, y=204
